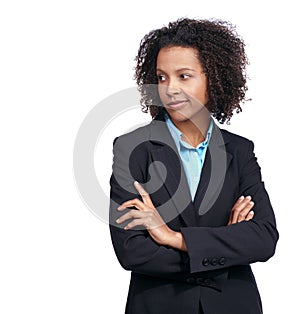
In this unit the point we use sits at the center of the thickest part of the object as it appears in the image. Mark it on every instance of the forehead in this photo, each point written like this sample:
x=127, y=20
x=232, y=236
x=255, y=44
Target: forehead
x=178, y=57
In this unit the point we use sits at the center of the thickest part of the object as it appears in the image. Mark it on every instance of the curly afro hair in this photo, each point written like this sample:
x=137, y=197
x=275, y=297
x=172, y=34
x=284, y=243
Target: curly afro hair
x=221, y=53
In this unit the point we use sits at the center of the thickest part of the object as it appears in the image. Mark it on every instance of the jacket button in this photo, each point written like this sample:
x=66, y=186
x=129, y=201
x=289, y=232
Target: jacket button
x=199, y=281
x=207, y=282
x=190, y=280
x=214, y=262
x=205, y=262
x=222, y=261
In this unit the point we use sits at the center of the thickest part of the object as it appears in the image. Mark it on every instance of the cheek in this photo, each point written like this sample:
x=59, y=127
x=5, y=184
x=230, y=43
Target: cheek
x=161, y=92
x=201, y=93
x=159, y=89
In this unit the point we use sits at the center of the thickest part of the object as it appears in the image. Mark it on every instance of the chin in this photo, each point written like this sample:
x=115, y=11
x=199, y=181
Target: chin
x=178, y=116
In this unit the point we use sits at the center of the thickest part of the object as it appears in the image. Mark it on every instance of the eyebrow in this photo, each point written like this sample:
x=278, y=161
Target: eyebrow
x=178, y=70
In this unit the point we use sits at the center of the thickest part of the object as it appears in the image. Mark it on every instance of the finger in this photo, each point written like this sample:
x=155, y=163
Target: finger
x=147, y=220
x=132, y=214
x=134, y=223
x=243, y=213
x=238, y=207
x=250, y=215
x=144, y=194
x=139, y=188
x=132, y=203
x=240, y=199
x=240, y=210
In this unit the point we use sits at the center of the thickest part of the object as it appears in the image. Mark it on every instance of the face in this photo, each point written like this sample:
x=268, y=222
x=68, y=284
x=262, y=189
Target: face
x=182, y=83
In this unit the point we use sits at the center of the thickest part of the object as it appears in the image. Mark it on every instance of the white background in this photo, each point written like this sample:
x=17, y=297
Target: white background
x=58, y=59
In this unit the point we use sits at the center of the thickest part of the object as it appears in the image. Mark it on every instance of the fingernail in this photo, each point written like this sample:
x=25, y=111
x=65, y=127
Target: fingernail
x=251, y=203
x=252, y=212
x=117, y=221
x=248, y=197
x=242, y=197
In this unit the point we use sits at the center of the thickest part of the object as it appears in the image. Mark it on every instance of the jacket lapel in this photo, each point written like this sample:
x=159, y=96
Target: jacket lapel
x=176, y=184
x=214, y=171
x=213, y=174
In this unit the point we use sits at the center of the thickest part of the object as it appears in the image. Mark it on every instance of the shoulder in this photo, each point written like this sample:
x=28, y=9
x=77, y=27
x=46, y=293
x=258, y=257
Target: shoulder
x=235, y=139
x=138, y=135
x=132, y=145
x=237, y=144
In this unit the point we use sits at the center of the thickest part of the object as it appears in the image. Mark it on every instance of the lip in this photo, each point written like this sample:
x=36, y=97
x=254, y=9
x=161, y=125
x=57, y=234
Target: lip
x=178, y=104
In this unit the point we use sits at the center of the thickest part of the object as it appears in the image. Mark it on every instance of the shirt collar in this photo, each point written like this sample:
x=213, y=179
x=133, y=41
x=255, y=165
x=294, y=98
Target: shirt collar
x=176, y=134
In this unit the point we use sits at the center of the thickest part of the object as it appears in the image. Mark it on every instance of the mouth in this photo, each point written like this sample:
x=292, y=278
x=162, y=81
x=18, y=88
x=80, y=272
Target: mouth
x=178, y=104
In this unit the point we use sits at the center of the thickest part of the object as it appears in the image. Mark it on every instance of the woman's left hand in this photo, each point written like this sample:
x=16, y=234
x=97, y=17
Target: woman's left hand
x=146, y=215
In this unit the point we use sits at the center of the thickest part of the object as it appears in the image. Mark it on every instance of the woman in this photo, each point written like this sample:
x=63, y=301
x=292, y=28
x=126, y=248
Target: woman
x=189, y=212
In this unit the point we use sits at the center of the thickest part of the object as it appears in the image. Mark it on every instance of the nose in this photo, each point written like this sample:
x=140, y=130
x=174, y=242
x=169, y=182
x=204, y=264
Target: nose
x=172, y=90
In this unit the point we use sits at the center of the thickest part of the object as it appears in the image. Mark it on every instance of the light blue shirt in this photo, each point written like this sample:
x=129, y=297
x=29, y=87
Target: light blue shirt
x=192, y=157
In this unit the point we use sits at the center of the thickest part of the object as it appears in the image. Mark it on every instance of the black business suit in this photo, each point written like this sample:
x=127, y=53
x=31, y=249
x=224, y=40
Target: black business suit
x=214, y=274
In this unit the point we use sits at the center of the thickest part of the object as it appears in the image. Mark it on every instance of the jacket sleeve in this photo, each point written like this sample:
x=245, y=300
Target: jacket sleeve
x=242, y=243
x=135, y=249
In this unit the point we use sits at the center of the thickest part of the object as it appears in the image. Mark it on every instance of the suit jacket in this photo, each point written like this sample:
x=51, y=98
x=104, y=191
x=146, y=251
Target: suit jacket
x=215, y=273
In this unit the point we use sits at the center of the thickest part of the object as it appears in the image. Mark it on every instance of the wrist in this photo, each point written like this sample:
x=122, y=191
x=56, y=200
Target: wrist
x=176, y=241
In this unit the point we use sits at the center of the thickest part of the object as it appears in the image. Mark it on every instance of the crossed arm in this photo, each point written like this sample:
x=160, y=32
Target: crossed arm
x=146, y=215
x=160, y=251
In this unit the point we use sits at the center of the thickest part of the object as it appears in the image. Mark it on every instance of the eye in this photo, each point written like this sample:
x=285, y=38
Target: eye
x=161, y=78
x=185, y=76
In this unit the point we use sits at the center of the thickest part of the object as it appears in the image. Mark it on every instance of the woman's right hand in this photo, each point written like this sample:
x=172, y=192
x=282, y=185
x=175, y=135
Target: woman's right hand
x=242, y=210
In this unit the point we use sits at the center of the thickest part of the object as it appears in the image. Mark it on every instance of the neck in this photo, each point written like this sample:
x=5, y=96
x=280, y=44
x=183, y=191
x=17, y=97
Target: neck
x=194, y=130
